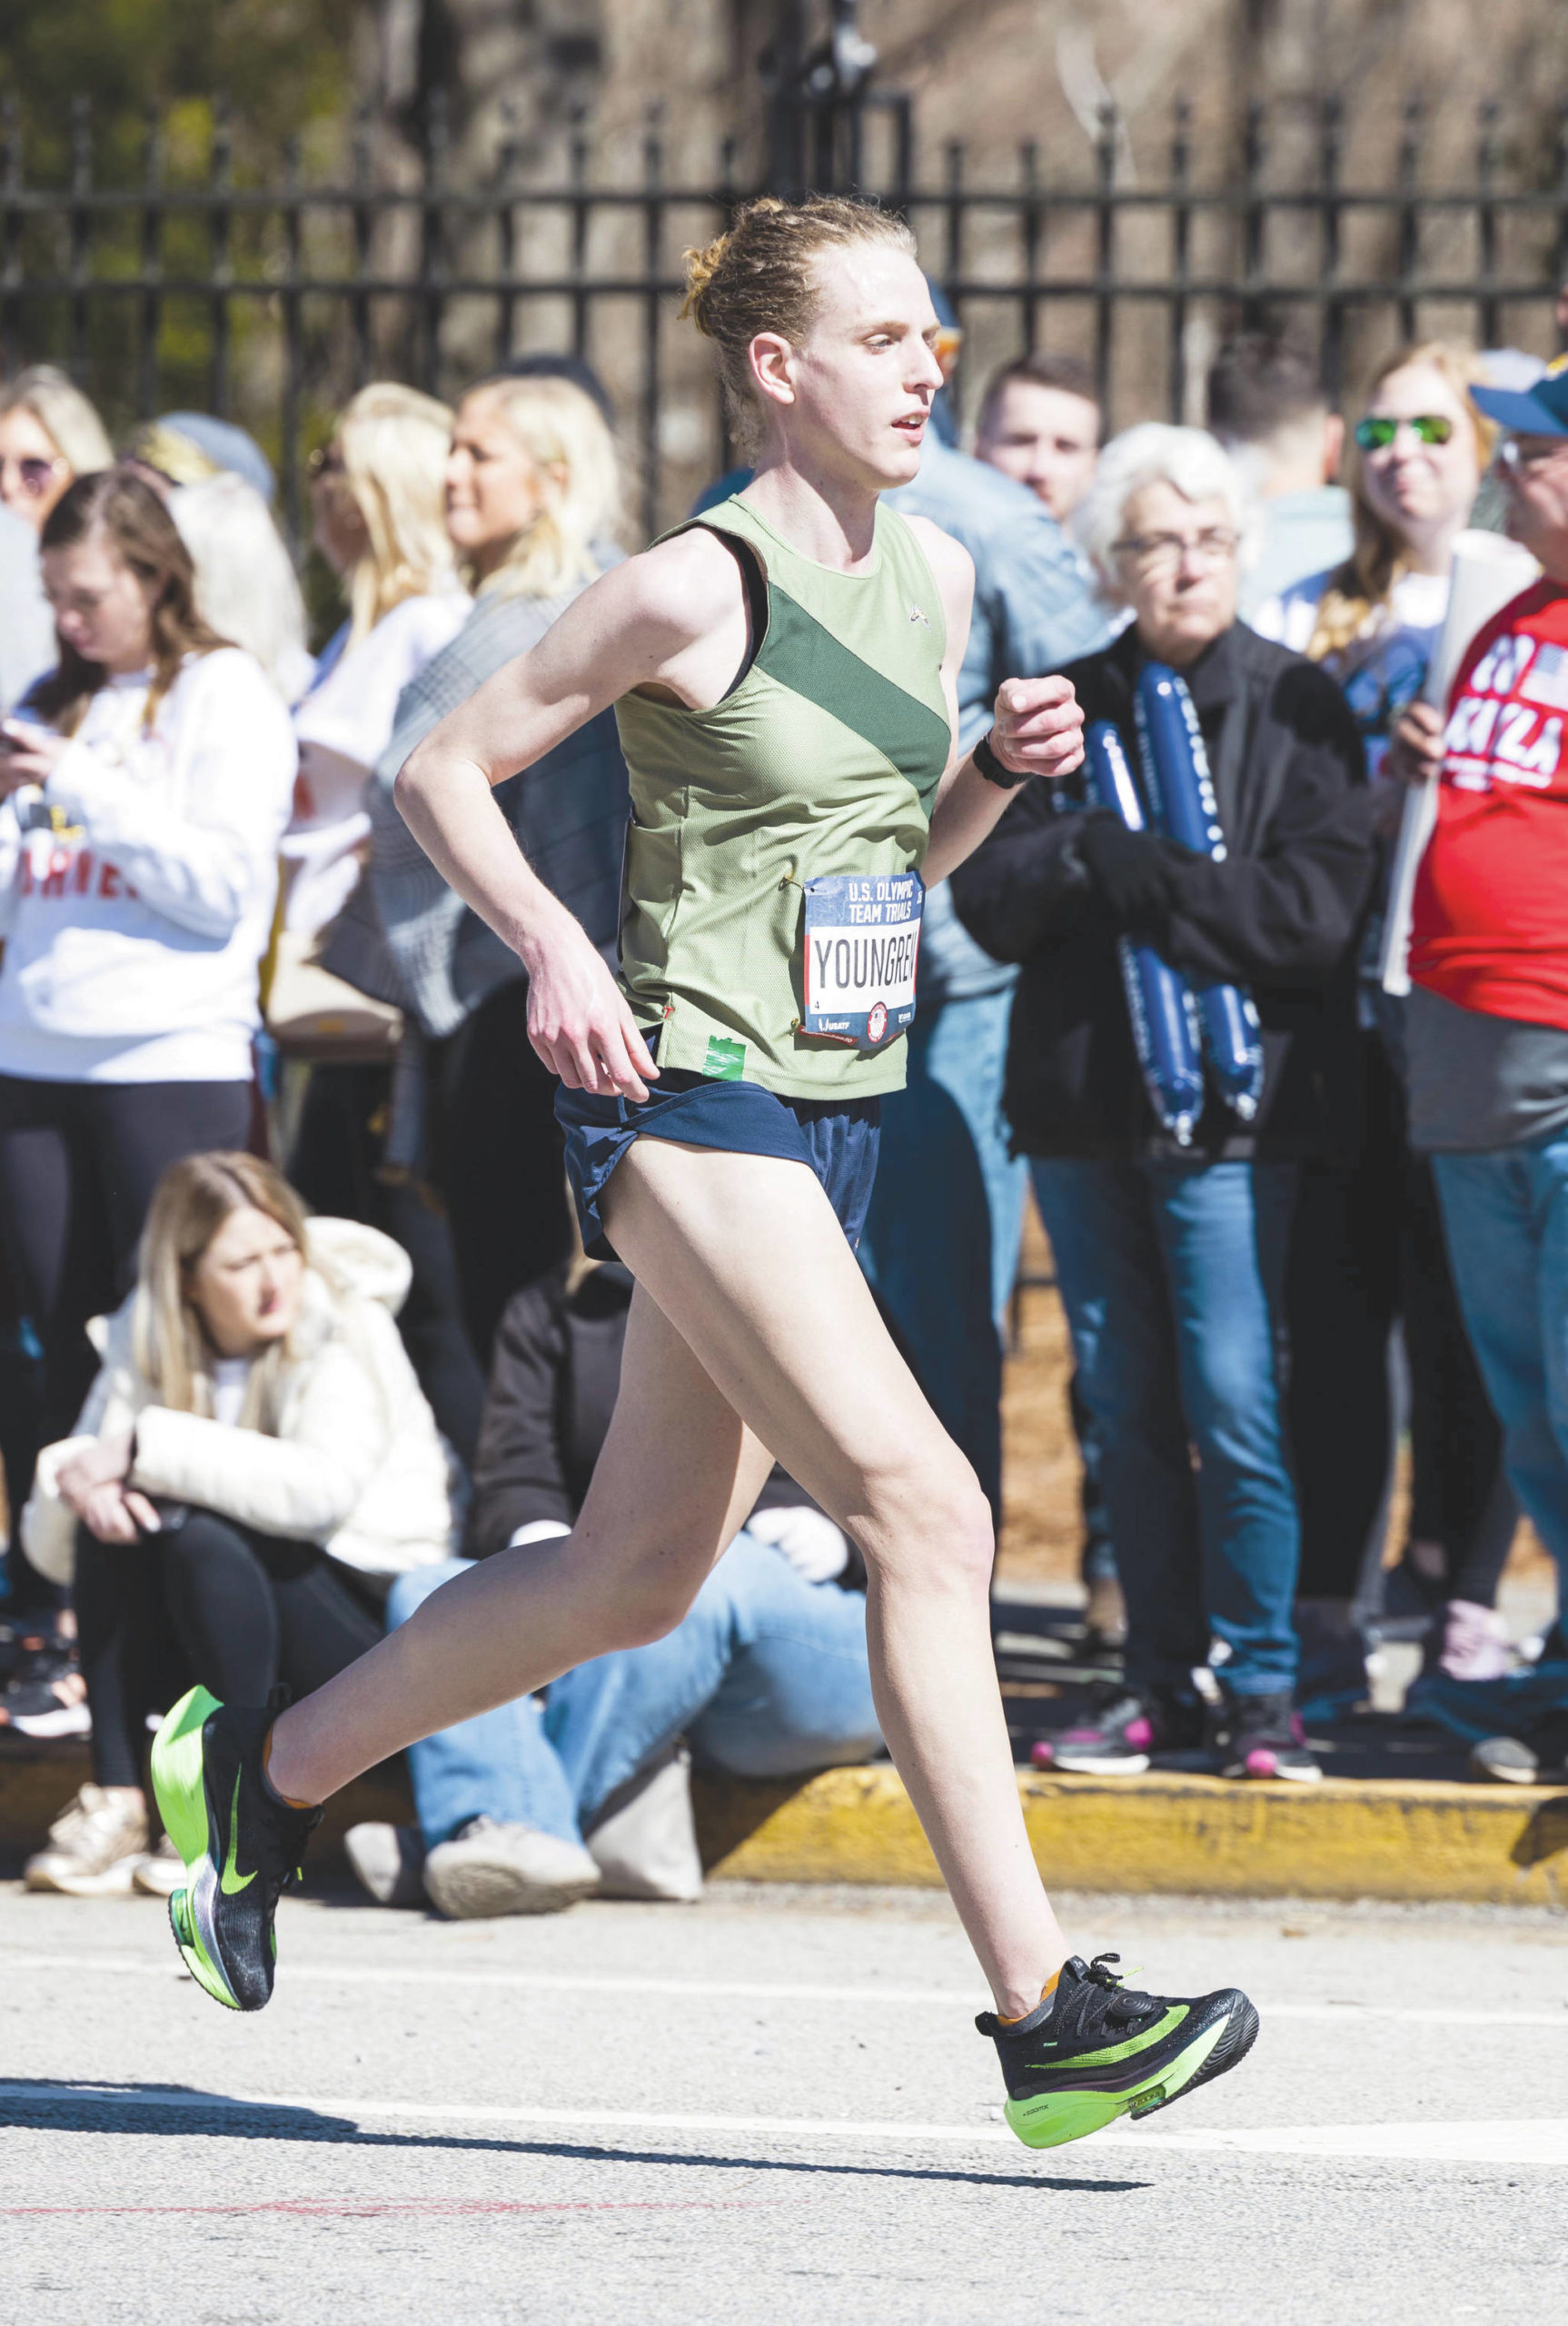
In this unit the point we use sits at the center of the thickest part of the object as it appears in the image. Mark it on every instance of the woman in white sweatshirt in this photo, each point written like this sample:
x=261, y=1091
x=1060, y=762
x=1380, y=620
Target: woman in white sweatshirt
x=253, y=1466
x=145, y=783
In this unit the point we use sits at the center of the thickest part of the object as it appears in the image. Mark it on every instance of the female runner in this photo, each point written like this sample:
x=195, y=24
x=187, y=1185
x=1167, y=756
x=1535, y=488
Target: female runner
x=782, y=672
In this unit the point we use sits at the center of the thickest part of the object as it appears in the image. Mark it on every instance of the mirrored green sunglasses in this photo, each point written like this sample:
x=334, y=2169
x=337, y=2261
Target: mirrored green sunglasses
x=1377, y=430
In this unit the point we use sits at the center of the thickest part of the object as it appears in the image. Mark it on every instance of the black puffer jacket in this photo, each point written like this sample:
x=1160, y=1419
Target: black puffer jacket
x=1281, y=914
x=552, y=1385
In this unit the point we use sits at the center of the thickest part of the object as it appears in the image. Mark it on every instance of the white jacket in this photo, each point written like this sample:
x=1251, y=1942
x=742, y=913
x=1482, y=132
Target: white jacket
x=357, y=1465
x=136, y=891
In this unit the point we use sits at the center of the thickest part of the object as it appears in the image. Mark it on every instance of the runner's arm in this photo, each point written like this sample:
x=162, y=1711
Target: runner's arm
x=1039, y=725
x=644, y=622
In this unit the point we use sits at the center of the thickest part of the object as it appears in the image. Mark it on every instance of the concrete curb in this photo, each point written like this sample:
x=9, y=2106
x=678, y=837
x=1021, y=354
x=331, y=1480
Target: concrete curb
x=1199, y=1836
x=1194, y=1835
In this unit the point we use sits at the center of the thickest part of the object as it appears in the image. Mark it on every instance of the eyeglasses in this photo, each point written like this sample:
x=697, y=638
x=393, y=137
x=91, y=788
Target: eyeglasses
x=33, y=472
x=323, y=462
x=1151, y=552
x=1513, y=455
x=1377, y=431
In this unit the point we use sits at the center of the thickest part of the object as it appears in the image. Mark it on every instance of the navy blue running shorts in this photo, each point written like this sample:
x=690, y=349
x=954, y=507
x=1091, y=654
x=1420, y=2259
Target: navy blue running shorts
x=837, y=1141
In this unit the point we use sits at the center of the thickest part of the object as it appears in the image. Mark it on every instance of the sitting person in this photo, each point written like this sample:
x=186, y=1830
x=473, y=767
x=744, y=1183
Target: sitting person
x=527, y=1808
x=254, y=1463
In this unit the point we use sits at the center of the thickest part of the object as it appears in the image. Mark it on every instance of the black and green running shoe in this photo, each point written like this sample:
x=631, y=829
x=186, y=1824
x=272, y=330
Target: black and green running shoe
x=241, y=1845
x=1095, y=2050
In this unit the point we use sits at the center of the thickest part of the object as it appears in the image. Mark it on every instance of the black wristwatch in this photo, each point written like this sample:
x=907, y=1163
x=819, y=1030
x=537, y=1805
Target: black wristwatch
x=987, y=764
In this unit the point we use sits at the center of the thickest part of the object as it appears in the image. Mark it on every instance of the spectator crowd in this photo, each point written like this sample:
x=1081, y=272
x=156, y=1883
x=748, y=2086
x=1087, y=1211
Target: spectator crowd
x=293, y=1318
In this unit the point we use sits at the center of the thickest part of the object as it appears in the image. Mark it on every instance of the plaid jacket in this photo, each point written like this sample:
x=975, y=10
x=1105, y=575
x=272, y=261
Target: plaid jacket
x=407, y=938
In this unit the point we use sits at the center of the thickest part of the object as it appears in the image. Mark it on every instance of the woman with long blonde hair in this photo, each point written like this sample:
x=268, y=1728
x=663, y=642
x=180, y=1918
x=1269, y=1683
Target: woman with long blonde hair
x=1369, y=1249
x=253, y=1464
x=376, y=494
x=1416, y=457
x=533, y=511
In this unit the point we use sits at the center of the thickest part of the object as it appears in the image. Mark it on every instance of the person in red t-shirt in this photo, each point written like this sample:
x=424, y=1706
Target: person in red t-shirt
x=1487, y=1019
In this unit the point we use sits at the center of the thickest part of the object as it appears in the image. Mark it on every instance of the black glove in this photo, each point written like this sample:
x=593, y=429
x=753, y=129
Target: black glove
x=1128, y=868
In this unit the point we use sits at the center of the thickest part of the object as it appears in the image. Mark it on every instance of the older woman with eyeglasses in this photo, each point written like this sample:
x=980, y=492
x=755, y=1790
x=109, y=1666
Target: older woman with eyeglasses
x=1171, y=1259
x=1369, y=1246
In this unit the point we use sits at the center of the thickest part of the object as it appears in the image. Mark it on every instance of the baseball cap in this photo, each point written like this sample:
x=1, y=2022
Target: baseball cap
x=1540, y=411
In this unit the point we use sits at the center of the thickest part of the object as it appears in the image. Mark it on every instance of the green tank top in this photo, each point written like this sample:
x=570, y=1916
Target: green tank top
x=824, y=759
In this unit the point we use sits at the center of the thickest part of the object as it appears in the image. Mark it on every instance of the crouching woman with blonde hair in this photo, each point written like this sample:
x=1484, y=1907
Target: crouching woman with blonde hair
x=254, y=1463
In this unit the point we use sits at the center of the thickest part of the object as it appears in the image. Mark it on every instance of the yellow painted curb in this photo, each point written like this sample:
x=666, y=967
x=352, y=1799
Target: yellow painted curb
x=1198, y=1835
x=1497, y=1844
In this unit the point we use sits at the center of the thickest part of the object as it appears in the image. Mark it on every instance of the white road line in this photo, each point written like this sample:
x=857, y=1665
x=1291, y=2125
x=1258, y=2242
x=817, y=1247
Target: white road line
x=566, y=1983
x=1531, y=2141
x=1539, y=2141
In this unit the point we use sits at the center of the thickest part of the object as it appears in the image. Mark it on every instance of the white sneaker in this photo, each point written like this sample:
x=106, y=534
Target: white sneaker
x=645, y=1842
x=489, y=1868
x=389, y=1862
x=161, y=1873
x=96, y=1844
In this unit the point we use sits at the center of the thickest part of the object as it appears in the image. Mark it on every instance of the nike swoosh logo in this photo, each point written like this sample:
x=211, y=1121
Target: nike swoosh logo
x=231, y=1882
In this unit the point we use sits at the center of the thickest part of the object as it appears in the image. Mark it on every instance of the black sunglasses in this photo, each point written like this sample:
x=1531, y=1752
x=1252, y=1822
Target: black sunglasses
x=1377, y=430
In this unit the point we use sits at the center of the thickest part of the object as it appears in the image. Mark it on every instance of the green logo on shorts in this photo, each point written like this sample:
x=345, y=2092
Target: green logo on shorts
x=726, y=1059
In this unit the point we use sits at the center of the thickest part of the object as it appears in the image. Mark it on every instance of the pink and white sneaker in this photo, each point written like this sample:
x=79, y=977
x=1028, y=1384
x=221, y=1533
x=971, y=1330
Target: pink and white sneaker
x=1261, y=1736
x=1119, y=1740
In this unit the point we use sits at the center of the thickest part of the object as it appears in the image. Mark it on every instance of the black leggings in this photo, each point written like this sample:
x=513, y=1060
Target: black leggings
x=336, y=1166
x=499, y=1161
x=78, y=1165
x=208, y=1601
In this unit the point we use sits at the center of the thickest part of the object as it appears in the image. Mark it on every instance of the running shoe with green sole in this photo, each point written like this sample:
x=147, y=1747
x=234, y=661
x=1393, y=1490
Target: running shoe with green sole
x=1095, y=2050
x=241, y=1846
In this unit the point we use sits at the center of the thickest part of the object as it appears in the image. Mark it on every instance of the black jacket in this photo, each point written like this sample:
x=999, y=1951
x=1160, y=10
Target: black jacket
x=553, y=1385
x=1281, y=914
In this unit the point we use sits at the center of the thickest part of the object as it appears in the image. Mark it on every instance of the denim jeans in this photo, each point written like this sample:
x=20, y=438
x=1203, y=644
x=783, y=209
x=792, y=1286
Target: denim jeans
x=1173, y=1277
x=1505, y=1216
x=941, y=1240
x=766, y=1676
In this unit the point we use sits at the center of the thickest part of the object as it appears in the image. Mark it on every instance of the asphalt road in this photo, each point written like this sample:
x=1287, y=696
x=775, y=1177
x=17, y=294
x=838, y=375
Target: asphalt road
x=770, y=2107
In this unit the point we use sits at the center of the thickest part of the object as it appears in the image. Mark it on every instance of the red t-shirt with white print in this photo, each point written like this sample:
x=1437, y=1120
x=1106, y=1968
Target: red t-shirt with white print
x=1490, y=913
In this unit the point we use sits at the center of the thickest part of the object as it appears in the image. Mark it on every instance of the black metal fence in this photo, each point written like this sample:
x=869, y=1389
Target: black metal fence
x=192, y=278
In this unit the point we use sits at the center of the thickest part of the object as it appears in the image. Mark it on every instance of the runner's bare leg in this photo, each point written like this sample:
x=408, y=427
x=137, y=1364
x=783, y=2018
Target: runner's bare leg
x=675, y=1477
x=769, y=1318
x=745, y=1256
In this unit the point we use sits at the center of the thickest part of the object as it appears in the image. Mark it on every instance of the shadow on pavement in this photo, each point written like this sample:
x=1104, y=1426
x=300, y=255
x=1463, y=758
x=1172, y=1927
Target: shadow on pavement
x=178, y=2112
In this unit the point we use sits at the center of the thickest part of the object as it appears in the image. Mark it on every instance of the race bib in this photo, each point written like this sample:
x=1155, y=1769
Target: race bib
x=862, y=934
